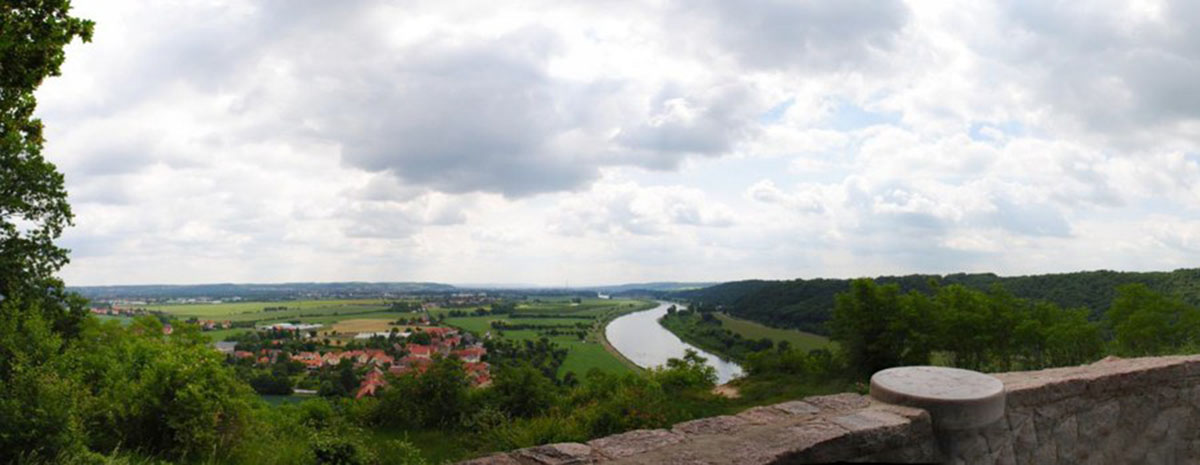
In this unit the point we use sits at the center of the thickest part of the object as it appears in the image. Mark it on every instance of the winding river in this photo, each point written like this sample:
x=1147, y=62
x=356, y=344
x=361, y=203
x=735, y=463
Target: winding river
x=640, y=338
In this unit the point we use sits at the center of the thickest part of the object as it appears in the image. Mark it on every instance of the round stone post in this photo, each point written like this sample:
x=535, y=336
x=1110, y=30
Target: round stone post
x=960, y=403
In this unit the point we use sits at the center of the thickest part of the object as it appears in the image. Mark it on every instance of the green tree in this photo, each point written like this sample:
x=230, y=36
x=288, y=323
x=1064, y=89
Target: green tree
x=865, y=325
x=40, y=396
x=522, y=390
x=33, y=202
x=437, y=398
x=689, y=372
x=420, y=337
x=964, y=329
x=1144, y=322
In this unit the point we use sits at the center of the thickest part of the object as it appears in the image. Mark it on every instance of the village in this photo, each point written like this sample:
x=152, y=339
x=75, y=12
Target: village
x=394, y=353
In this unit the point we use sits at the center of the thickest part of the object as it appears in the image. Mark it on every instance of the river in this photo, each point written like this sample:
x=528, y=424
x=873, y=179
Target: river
x=640, y=338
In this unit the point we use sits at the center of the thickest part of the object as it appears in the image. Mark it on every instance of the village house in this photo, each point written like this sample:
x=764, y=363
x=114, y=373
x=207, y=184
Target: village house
x=370, y=384
x=471, y=354
x=421, y=351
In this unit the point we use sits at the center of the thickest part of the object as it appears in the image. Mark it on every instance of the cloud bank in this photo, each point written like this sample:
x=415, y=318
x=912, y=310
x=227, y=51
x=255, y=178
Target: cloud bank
x=621, y=141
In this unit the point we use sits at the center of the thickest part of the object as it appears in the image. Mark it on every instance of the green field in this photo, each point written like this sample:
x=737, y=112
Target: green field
x=248, y=311
x=583, y=355
x=751, y=330
x=306, y=311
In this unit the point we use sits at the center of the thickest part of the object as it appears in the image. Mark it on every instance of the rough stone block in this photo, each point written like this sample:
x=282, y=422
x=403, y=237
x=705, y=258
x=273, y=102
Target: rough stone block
x=838, y=402
x=761, y=415
x=864, y=421
x=566, y=453
x=798, y=407
x=715, y=425
x=914, y=414
x=815, y=441
x=633, y=442
x=498, y=459
x=1099, y=422
x=1066, y=437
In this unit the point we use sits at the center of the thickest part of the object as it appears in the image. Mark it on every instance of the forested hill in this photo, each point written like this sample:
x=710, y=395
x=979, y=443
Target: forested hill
x=806, y=304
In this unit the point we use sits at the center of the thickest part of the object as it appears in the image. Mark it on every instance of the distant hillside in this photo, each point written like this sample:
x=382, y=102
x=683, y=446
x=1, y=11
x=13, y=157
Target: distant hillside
x=806, y=304
x=648, y=287
x=258, y=291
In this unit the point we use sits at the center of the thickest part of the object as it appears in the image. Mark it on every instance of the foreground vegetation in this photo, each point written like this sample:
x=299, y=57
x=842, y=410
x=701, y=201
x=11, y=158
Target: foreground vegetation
x=132, y=393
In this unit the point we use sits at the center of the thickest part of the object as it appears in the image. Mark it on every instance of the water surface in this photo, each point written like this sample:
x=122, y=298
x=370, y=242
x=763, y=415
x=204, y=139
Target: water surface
x=640, y=338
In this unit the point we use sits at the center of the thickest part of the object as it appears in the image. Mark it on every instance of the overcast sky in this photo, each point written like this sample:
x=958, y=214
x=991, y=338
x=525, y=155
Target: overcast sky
x=619, y=141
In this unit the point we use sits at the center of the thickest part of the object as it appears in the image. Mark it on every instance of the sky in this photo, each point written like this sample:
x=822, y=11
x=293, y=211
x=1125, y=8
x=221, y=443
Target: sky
x=613, y=141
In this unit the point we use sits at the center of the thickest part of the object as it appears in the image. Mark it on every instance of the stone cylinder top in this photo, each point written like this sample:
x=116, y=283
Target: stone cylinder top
x=955, y=398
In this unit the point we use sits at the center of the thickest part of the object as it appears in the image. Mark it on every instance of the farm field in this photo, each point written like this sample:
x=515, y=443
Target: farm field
x=344, y=318
x=582, y=355
x=244, y=311
x=751, y=330
x=362, y=325
x=325, y=312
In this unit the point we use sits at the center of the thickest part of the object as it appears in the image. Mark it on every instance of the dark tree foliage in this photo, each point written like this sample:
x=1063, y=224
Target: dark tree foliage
x=808, y=304
x=438, y=398
x=706, y=331
x=271, y=383
x=878, y=327
x=542, y=354
x=863, y=322
x=1144, y=322
x=33, y=202
x=522, y=391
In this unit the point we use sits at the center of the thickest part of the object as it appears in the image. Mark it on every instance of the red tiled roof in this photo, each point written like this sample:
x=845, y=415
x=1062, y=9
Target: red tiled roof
x=418, y=349
x=440, y=331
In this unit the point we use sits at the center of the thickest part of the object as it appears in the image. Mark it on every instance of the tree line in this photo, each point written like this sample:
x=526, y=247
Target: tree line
x=807, y=304
x=878, y=326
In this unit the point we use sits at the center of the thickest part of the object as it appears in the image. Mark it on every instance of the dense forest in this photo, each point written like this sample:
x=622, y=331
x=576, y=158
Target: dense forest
x=808, y=304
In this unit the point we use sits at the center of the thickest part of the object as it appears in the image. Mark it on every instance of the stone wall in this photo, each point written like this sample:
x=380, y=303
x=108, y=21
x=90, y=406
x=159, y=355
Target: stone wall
x=1144, y=410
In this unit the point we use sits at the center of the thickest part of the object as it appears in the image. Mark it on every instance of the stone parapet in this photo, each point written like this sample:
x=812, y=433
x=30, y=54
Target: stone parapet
x=1143, y=410
x=840, y=427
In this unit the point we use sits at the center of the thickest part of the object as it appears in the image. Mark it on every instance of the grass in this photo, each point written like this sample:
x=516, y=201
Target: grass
x=243, y=311
x=436, y=446
x=220, y=334
x=582, y=355
x=329, y=320
x=798, y=339
x=363, y=325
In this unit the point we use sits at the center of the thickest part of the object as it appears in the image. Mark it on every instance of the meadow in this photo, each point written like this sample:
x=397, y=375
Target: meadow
x=252, y=311
x=798, y=339
x=583, y=354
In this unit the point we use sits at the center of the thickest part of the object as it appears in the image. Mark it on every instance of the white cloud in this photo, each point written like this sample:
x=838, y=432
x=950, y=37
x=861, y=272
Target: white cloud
x=272, y=140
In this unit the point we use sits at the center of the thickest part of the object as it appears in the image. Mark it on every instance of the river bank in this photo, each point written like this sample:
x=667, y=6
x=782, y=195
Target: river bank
x=601, y=335
x=736, y=339
x=639, y=338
